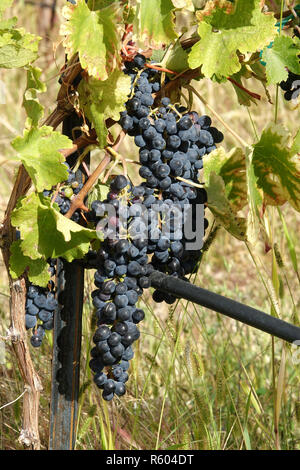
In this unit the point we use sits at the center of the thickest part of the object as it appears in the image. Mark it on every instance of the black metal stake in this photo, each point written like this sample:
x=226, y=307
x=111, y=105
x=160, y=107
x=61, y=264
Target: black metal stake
x=67, y=336
x=66, y=356
x=230, y=308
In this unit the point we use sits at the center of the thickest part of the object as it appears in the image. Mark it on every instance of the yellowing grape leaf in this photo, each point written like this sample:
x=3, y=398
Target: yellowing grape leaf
x=226, y=29
x=254, y=225
x=231, y=167
x=94, y=35
x=276, y=167
x=38, y=150
x=154, y=22
x=47, y=233
x=17, y=48
x=243, y=97
x=224, y=212
x=104, y=99
x=99, y=4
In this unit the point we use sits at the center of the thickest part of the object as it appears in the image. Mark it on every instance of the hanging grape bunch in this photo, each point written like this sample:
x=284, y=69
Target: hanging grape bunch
x=172, y=143
x=139, y=223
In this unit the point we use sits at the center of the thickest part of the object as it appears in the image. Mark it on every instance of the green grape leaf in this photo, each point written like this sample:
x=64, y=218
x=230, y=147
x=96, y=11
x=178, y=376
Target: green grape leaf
x=10, y=23
x=177, y=60
x=98, y=193
x=38, y=150
x=94, y=36
x=154, y=23
x=232, y=168
x=282, y=55
x=17, y=48
x=225, y=29
x=37, y=269
x=158, y=55
x=45, y=232
x=222, y=209
x=104, y=99
x=277, y=167
x=34, y=109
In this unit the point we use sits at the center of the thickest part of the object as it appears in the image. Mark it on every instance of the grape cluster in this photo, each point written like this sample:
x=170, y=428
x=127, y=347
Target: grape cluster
x=172, y=143
x=139, y=224
x=122, y=274
x=40, y=307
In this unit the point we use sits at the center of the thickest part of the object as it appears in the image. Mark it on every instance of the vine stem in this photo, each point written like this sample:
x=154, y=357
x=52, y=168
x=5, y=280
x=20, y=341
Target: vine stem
x=29, y=435
x=81, y=142
x=181, y=78
x=189, y=182
x=160, y=69
x=254, y=95
x=77, y=201
x=235, y=135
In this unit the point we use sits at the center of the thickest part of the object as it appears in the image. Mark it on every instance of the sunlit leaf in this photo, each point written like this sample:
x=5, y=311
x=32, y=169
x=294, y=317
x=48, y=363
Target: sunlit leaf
x=225, y=29
x=38, y=150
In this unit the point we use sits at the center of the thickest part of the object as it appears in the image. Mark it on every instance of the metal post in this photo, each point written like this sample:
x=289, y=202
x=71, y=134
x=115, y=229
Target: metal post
x=67, y=339
x=66, y=356
x=230, y=308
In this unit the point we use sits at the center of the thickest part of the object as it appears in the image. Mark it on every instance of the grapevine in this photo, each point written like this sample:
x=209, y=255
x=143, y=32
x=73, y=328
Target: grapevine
x=172, y=144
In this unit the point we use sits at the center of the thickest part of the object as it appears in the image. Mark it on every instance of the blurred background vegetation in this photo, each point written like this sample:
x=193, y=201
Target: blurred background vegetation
x=198, y=380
